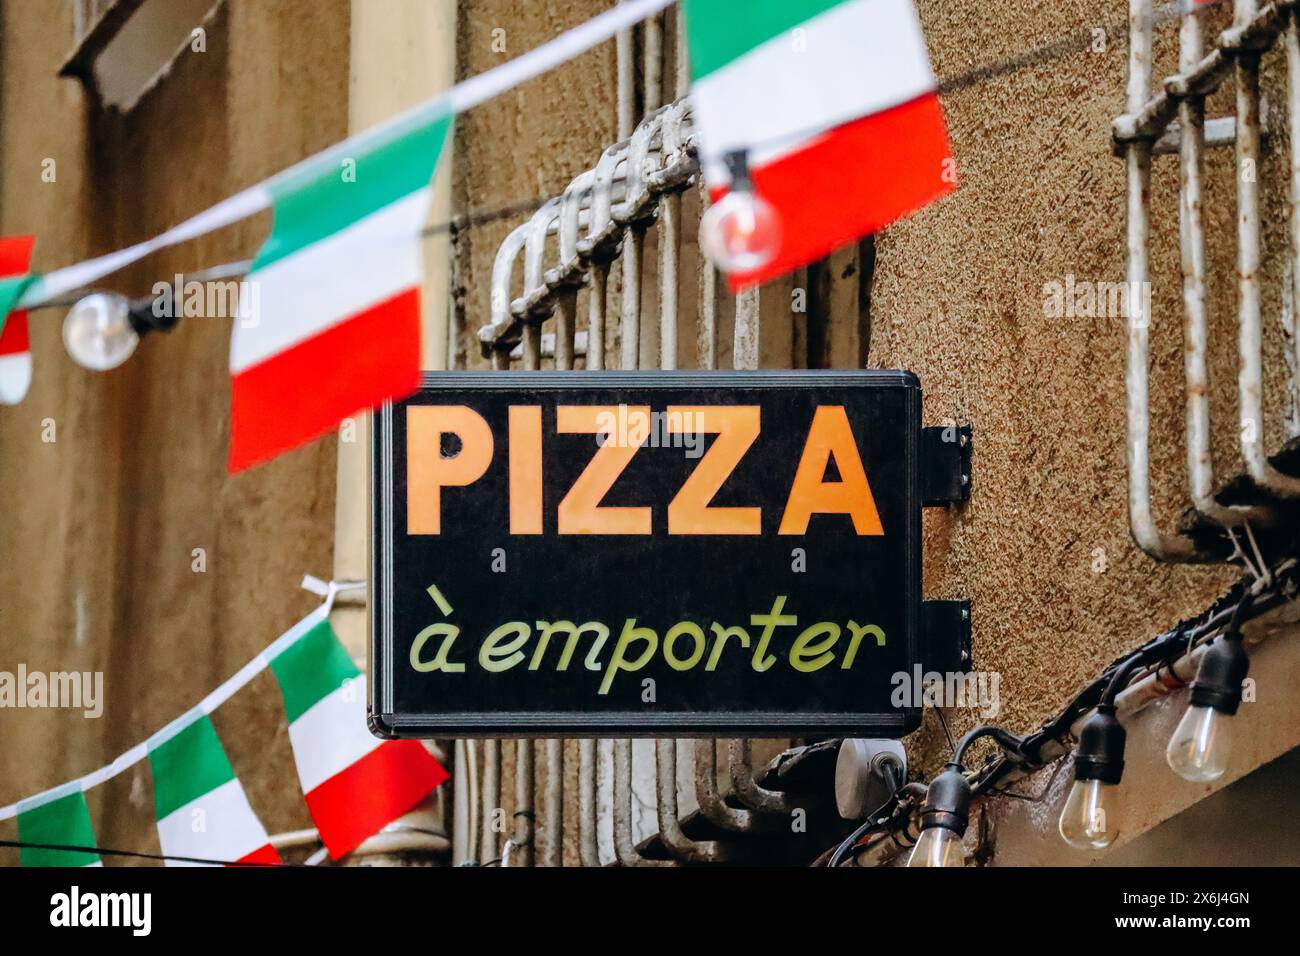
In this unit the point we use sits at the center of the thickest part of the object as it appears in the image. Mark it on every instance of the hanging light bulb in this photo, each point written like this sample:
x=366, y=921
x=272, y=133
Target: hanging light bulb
x=742, y=231
x=99, y=333
x=1090, y=818
x=1200, y=746
x=943, y=820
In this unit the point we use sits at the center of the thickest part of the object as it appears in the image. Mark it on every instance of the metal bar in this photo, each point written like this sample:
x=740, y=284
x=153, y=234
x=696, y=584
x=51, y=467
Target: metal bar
x=1220, y=131
x=566, y=314
x=624, y=844
x=652, y=29
x=744, y=353
x=747, y=789
x=524, y=786
x=532, y=346
x=670, y=211
x=706, y=343
x=491, y=801
x=588, y=843
x=630, y=314
x=596, y=294
x=553, y=803
x=461, y=835
x=625, y=68
x=1200, y=460
x=670, y=827
x=1250, y=378
x=1137, y=160
x=712, y=805
x=1292, y=43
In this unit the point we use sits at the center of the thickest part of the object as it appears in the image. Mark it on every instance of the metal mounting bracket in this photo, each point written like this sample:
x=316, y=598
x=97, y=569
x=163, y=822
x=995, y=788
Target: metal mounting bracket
x=945, y=465
x=946, y=637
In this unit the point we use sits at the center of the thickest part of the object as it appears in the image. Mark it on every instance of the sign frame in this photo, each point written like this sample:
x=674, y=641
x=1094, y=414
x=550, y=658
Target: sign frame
x=385, y=722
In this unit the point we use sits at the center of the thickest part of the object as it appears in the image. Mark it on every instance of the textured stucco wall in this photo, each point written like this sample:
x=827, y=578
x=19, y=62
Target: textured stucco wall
x=98, y=537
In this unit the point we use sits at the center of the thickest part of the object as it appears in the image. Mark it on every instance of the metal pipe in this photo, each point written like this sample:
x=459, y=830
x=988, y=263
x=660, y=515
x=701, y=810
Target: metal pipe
x=1292, y=44
x=670, y=827
x=654, y=62
x=744, y=353
x=1250, y=379
x=566, y=308
x=746, y=787
x=1137, y=158
x=491, y=800
x=596, y=294
x=625, y=69
x=624, y=843
x=532, y=341
x=1200, y=459
x=461, y=835
x=553, y=803
x=588, y=843
x=712, y=805
x=669, y=253
x=632, y=212
x=524, y=787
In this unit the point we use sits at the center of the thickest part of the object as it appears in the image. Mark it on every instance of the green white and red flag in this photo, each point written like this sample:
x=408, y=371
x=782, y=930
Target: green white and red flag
x=835, y=104
x=199, y=803
x=59, y=818
x=15, y=348
x=330, y=324
x=354, y=782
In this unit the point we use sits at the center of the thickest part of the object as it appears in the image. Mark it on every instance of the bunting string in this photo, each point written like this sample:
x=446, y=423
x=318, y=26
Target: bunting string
x=210, y=703
x=202, y=812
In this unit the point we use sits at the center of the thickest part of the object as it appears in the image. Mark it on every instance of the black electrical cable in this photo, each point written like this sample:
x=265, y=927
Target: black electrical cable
x=164, y=857
x=1160, y=651
x=1002, y=737
x=872, y=820
x=1025, y=754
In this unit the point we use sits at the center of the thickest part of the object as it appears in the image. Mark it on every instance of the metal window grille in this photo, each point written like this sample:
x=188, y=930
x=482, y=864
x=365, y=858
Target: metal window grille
x=1172, y=120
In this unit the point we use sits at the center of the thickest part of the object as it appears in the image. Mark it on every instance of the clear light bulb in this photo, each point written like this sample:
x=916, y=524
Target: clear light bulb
x=741, y=232
x=938, y=846
x=97, y=332
x=1090, y=817
x=1199, y=748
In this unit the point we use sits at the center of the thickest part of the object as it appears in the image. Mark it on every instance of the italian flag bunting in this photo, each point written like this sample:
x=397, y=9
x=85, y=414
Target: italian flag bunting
x=355, y=783
x=200, y=805
x=834, y=102
x=330, y=322
x=56, y=820
x=15, y=351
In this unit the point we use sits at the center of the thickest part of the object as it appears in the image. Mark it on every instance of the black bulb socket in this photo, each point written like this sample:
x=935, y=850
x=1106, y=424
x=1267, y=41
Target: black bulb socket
x=947, y=801
x=1100, y=755
x=147, y=315
x=737, y=162
x=1220, y=675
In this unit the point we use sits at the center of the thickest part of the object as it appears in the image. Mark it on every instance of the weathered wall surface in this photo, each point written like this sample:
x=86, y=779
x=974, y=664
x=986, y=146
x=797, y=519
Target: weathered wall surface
x=98, y=539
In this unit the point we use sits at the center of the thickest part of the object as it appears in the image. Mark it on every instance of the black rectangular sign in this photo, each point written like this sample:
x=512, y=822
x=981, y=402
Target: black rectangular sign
x=624, y=553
